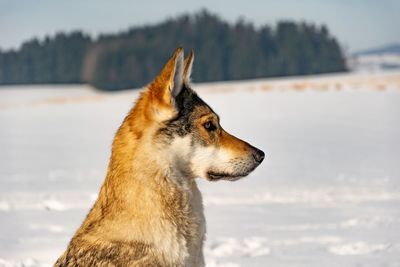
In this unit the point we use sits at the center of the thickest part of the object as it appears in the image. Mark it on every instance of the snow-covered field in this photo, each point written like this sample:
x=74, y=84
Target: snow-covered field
x=328, y=193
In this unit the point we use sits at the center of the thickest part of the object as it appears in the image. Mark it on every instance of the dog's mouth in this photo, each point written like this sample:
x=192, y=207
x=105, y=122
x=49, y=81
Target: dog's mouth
x=215, y=176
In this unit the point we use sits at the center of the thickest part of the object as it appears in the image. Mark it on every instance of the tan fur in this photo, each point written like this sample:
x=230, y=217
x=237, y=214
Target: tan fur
x=146, y=214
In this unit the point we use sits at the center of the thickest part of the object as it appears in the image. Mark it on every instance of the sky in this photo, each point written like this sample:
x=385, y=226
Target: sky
x=358, y=24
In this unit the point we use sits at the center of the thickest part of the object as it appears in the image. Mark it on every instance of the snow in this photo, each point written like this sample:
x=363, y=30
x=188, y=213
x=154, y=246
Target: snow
x=358, y=248
x=327, y=194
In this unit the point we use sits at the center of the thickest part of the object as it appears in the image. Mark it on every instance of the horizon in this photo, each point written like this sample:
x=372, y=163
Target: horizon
x=16, y=18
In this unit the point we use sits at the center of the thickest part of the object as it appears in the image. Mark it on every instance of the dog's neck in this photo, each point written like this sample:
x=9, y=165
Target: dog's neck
x=131, y=163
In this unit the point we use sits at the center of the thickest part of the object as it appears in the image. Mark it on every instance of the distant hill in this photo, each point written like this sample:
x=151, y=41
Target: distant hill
x=386, y=49
x=382, y=58
x=132, y=58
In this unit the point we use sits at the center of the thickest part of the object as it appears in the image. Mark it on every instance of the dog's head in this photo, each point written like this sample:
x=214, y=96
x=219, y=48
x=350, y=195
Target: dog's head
x=189, y=133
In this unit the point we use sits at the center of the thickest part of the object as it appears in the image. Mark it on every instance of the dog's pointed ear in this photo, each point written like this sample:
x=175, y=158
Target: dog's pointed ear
x=187, y=71
x=170, y=80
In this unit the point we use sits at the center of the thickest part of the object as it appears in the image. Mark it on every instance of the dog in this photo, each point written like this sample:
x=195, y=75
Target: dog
x=149, y=210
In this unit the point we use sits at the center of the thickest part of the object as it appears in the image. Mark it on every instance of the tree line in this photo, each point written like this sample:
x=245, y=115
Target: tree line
x=223, y=51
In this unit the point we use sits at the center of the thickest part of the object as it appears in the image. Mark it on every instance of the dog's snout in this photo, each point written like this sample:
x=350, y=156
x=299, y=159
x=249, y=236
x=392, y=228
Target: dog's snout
x=258, y=155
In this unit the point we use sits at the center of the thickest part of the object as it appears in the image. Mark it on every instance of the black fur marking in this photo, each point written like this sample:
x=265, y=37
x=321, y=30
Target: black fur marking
x=186, y=102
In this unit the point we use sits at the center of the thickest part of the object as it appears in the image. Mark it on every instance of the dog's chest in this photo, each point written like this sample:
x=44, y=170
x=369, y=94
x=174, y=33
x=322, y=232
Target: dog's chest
x=194, y=242
x=189, y=225
x=197, y=212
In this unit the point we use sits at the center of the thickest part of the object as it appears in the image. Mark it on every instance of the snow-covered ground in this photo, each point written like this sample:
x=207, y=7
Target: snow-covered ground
x=328, y=193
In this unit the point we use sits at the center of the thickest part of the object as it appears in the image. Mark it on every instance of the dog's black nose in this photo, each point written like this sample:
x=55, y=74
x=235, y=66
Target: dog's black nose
x=258, y=155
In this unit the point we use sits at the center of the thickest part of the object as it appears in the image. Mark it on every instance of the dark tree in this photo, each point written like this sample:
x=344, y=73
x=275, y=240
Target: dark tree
x=132, y=58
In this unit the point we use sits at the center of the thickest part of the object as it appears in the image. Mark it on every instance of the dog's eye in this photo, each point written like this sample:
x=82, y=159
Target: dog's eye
x=209, y=126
